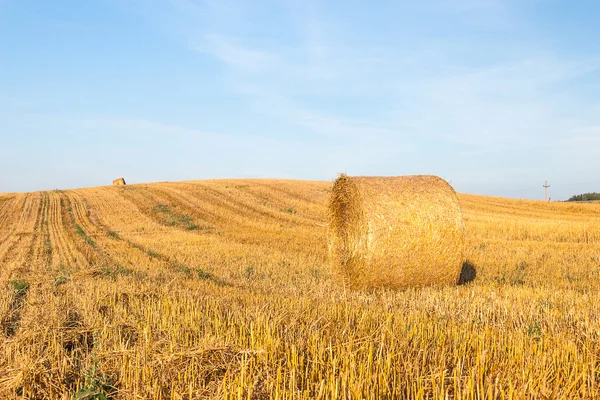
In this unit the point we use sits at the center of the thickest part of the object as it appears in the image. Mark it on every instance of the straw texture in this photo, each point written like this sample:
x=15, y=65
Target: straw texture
x=395, y=232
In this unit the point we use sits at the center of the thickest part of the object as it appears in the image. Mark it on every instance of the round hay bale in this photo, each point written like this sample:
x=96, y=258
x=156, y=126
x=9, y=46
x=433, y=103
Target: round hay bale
x=395, y=232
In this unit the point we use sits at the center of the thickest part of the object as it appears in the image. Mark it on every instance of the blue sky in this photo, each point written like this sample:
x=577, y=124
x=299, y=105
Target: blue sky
x=495, y=96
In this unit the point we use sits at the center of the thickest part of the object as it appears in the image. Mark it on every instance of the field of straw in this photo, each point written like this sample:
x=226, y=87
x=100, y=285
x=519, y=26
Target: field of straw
x=223, y=289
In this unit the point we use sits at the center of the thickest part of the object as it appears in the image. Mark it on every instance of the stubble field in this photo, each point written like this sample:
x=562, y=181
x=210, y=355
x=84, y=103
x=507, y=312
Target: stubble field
x=222, y=289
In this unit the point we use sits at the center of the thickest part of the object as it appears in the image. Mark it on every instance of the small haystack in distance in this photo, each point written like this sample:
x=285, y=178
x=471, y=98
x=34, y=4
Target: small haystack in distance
x=119, y=182
x=395, y=232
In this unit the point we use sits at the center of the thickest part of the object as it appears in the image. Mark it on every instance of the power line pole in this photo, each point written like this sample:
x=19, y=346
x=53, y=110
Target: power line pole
x=546, y=186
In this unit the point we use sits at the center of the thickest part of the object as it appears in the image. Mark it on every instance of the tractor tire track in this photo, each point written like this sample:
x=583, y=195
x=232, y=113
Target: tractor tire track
x=87, y=216
x=268, y=230
x=83, y=244
x=39, y=253
x=85, y=225
x=159, y=208
x=64, y=254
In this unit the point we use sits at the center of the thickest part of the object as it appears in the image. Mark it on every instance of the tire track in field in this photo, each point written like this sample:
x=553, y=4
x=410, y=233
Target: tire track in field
x=214, y=206
x=275, y=216
x=37, y=257
x=233, y=204
x=85, y=213
x=146, y=199
x=209, y=206
x=87, y=230
x=41, y=249
x=311, y=210
x=204, y=220
x=91, y=208
x=168, y=195
x=64, y=253
x=238, y=219
x=96, y=235
x=47, y=242
x=270, y=230
x=286, y=190
x=159, y=208
x=93, y=256
x=219, y=208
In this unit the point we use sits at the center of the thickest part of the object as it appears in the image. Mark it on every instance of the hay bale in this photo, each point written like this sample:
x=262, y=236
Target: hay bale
x=119, y=182
x=395, y=232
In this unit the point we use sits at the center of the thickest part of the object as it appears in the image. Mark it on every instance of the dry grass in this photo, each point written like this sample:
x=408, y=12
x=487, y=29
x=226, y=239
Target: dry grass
x=395, y=232
x=107, y=293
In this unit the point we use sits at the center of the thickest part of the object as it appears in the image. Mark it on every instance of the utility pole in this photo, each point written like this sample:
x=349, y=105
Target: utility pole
x=546, y=186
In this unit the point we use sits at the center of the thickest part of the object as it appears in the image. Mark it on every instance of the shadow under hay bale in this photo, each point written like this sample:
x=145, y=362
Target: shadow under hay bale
x=468, y=273
x=395, y=232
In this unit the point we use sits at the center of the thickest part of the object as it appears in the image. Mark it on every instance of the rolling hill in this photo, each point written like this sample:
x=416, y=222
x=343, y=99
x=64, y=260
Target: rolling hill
x=222, y=289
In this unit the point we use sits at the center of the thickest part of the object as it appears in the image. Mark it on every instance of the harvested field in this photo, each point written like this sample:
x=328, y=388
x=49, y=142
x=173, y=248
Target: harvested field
x=223, y=289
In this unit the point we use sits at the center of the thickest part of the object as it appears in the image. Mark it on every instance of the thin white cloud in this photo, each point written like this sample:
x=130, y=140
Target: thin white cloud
x=425, y=90
x=237, y=57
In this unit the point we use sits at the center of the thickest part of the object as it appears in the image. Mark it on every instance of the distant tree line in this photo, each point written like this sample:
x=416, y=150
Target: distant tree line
x=585, y=197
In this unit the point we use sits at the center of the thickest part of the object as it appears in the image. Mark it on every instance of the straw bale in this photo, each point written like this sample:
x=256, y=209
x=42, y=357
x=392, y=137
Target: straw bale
x=119, y=182
x=395, y=232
